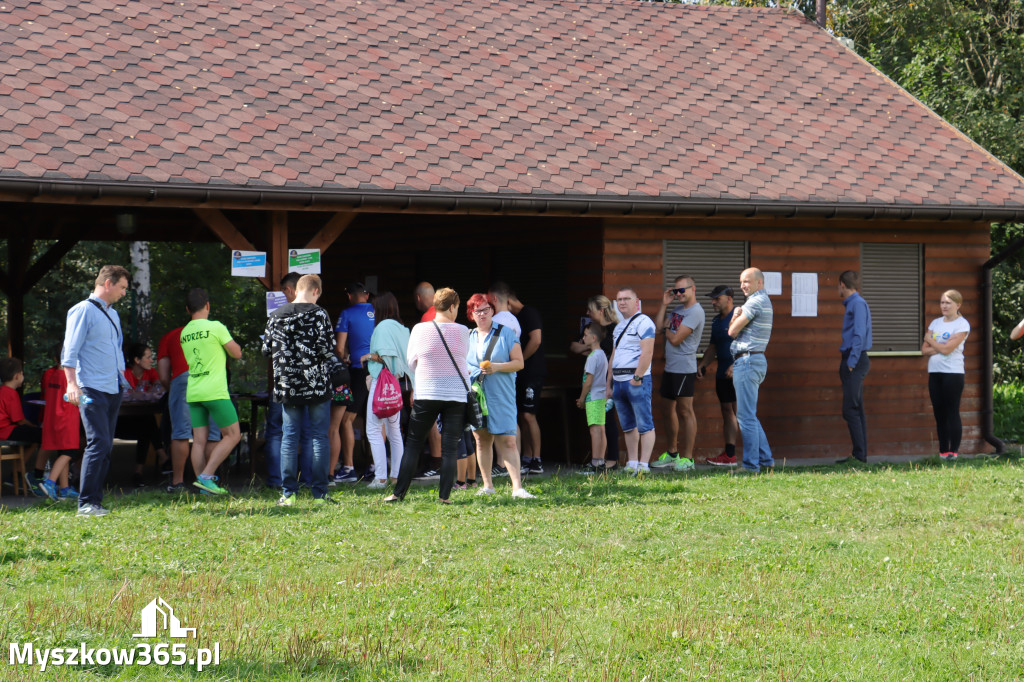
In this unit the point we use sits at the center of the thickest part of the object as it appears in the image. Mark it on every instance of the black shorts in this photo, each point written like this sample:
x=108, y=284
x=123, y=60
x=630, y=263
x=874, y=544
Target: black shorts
x=677, y=385
x=26, y=434
x=360, y=393
x=725, y=390
x=528, y=394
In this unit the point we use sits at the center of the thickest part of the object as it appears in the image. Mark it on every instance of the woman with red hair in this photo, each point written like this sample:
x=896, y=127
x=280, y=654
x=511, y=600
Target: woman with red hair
x=494, y=357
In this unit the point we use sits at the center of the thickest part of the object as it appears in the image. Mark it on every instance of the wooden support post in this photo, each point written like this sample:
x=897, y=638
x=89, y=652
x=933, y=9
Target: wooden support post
x=277, y=236
x=229, y=235
x=19, y=251
x=330, y=232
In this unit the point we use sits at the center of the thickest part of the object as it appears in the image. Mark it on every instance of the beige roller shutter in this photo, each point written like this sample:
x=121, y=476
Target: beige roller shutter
x=891, y=281
x=709, y=263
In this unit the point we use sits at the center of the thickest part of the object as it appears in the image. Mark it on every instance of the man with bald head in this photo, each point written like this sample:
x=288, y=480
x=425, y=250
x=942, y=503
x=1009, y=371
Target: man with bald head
x=424, y=294
x=751, y=328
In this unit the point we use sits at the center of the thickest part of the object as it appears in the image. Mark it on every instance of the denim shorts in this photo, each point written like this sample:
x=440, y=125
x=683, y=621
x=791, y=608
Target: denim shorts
x=633, y=403
x=181, y=418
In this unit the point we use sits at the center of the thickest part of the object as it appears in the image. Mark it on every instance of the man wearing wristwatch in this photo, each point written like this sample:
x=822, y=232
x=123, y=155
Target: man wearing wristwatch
x=629, y=382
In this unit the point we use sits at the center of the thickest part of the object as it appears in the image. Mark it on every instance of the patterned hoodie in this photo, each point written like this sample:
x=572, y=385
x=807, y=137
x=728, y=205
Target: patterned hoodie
x=300, y=340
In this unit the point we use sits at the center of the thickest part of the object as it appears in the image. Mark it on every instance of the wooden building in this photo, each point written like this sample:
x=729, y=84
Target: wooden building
x=568, y=148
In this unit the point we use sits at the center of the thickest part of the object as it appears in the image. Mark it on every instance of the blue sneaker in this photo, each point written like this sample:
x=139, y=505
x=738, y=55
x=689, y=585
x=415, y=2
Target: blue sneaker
x=33, y=484
x=50, y=488
x=348, y=475
x=68, y=493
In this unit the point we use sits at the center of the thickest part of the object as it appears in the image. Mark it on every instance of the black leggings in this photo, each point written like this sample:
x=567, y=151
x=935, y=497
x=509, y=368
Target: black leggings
x=424, y=415
x=945, y=391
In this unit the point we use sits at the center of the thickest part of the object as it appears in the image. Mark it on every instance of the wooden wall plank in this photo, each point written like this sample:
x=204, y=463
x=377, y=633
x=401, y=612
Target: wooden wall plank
x=801, y=398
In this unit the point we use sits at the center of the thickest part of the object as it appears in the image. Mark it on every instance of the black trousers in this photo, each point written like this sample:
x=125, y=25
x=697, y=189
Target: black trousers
x=611, y=432
x=853, y=402
x=945, y=390
x=421, y=420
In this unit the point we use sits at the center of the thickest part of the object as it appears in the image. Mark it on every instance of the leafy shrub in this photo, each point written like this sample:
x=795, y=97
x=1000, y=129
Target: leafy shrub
x=1008, y=402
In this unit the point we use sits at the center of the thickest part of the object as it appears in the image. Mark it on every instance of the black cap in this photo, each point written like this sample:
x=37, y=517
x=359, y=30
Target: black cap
x=356, y=288
x=720, y=290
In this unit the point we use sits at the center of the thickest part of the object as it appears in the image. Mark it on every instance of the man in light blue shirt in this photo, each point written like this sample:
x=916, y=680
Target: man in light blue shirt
x=94, y=366
x=854, y=366
x=751, y=329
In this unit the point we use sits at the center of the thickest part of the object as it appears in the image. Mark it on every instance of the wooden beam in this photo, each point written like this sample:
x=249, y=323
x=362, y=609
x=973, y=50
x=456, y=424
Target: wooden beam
x=228, y=234
x=19, y=251
x=330, y=232
x=277, y=233
x=48, y=261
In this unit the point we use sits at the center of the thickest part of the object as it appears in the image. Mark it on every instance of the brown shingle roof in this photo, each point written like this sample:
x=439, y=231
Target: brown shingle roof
x=530, y=97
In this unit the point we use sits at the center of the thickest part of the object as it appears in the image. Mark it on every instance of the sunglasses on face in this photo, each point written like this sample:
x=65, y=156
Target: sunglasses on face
x=680, y=290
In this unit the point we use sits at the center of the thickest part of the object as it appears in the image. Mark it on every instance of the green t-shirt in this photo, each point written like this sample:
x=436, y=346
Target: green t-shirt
x=203, y=341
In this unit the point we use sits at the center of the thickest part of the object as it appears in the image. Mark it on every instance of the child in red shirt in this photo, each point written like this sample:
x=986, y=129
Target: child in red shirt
x=13, y=424
x=61, y=429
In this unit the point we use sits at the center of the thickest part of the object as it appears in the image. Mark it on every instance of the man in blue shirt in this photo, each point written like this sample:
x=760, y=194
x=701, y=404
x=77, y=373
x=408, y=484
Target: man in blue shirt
x=94, y=366
x=751, y=329
x=719, y=348
x=354, y=329
x=855, y=364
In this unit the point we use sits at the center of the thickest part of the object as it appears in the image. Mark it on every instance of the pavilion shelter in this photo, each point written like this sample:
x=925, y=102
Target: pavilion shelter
x=568, y=148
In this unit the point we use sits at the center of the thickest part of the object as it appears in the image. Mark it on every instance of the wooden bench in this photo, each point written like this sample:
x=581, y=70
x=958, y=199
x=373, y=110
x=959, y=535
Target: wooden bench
x=14, y=451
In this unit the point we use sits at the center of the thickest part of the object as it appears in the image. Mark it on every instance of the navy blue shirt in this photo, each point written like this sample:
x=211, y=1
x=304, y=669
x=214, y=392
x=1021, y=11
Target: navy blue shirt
x=722, y=342
x=357, y=321
x=856, y=328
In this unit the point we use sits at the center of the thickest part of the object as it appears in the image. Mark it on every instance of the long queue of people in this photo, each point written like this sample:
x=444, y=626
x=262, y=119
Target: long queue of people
x=471, y=391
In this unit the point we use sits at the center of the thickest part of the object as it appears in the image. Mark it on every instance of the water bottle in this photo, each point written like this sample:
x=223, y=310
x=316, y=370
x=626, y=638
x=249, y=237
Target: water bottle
x=83, y=399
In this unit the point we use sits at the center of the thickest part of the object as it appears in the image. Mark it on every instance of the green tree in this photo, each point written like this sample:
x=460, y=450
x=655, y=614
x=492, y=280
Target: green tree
x=238, y=302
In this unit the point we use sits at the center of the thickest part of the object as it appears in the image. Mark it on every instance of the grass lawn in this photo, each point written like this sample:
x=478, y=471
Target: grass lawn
x=874, y=573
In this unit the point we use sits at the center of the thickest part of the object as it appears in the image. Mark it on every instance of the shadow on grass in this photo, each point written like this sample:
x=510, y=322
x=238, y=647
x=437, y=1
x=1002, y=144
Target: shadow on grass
x=559, y=489
x=320, y=667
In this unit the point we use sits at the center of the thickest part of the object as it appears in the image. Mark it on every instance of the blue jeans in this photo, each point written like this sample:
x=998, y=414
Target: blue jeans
x=99, y=419
x=319, y=415
x=272, y=447
x=747, y=374
x=633, y=403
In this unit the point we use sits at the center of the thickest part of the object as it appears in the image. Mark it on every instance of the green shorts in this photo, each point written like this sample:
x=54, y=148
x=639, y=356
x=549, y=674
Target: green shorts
x=222, y=411
x=595, y=412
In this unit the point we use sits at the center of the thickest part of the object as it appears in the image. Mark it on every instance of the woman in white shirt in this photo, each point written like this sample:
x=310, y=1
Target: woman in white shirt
x=441, y=384
x=944, y=347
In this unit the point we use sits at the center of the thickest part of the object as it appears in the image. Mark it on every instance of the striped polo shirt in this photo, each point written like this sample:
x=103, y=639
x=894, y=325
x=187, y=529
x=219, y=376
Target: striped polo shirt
x=754, y=337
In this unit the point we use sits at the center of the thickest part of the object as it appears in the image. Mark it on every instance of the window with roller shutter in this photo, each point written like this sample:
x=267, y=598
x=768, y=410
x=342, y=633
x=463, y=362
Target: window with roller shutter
x=709, y=263
x=892, y=282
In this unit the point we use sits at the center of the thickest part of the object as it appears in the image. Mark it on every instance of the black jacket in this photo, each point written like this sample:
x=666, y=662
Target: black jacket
x=300, y=340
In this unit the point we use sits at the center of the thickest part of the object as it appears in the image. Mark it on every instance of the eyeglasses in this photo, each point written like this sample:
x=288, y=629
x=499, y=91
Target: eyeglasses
x=680, y=290
x=483, y=311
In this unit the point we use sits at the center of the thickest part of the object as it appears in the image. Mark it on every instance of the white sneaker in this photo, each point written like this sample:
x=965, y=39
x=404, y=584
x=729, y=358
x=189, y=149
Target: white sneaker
x=521, y=494
x=485, y=491
x=376, y=485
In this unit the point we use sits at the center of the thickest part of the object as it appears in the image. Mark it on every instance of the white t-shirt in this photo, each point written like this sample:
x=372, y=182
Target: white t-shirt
x=507, y=319
x=943, y=331
x=627, y=352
